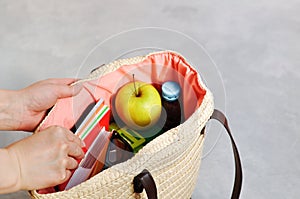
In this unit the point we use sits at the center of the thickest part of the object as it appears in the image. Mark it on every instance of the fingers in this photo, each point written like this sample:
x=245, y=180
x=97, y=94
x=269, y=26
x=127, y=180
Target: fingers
x=67, y=81
x=70, y=163
x=68, y=144
x=63, y=90
x=73, y=138
x=72, y=145
x=62, y=86
x=46, y=158
x=74, y=150
x=63, y=176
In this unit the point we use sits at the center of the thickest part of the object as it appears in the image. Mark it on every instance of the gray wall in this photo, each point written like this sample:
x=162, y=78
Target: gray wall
x=255, y=46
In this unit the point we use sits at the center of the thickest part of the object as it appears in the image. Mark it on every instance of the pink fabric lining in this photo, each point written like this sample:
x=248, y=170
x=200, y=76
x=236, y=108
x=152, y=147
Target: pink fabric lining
x=155, y=68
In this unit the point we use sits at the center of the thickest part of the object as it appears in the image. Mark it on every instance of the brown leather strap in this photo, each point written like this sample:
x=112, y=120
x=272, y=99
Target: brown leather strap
x=218, y=115
x=144, y=180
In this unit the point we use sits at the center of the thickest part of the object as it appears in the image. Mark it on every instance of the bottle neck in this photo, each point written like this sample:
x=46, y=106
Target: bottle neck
x=169, y=100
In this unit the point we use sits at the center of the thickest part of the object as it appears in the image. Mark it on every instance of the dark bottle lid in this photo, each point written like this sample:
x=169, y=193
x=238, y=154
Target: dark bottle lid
x=170, y=91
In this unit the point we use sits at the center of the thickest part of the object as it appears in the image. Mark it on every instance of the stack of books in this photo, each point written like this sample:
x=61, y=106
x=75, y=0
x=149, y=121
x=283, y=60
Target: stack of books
x=93, y=123
x=94, y=131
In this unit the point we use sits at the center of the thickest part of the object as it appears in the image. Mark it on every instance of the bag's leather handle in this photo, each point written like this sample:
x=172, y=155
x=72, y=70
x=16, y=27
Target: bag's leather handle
x=144, y=180
x=94, y=69
x=218, y=115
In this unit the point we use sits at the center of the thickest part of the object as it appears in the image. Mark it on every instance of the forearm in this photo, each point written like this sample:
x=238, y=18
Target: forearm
x=9, y=172
x=9, y=113
x=9, y=166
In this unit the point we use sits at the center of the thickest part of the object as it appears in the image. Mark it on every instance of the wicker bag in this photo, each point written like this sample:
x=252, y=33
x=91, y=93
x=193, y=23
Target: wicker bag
x=168, y=166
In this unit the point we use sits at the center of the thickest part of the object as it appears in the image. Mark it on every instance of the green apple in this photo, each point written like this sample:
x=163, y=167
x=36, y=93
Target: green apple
x=138, y=105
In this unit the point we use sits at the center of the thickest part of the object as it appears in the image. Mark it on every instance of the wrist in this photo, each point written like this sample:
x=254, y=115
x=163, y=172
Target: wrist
x=9, y=172
x=9, y=110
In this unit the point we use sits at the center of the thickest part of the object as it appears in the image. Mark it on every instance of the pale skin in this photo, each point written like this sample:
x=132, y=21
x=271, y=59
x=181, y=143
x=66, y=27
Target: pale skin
x=45, y=158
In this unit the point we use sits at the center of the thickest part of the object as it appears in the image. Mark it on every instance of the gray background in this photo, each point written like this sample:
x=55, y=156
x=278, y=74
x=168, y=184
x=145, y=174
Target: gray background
x=255, y=45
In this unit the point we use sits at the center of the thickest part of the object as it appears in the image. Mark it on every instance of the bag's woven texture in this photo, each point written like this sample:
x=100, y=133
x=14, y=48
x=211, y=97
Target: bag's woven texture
x=173, y=158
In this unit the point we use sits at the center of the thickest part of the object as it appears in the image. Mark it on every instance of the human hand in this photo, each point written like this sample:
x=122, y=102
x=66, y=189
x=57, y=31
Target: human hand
x=45, y=158
x=33, y=101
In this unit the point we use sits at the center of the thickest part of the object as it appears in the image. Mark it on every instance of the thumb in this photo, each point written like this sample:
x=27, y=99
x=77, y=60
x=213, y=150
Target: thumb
x=63, y=91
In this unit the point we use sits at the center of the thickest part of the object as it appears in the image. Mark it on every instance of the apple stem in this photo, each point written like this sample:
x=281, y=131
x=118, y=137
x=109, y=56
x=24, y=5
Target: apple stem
x=136, y=91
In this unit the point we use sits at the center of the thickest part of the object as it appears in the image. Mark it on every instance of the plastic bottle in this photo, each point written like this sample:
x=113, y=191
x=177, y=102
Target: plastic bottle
x=172, y=108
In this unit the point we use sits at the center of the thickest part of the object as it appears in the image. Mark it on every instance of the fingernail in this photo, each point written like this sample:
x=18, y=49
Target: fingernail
x=83, y=144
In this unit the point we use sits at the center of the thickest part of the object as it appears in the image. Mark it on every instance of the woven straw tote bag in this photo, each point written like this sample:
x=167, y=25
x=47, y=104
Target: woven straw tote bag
x=168, y=166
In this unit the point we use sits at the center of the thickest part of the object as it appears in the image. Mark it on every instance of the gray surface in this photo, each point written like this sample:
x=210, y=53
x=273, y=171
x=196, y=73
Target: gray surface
x=255, y=45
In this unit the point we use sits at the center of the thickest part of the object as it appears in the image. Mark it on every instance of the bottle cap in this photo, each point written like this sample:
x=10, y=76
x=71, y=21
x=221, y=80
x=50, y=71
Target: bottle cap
x=170, y=91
